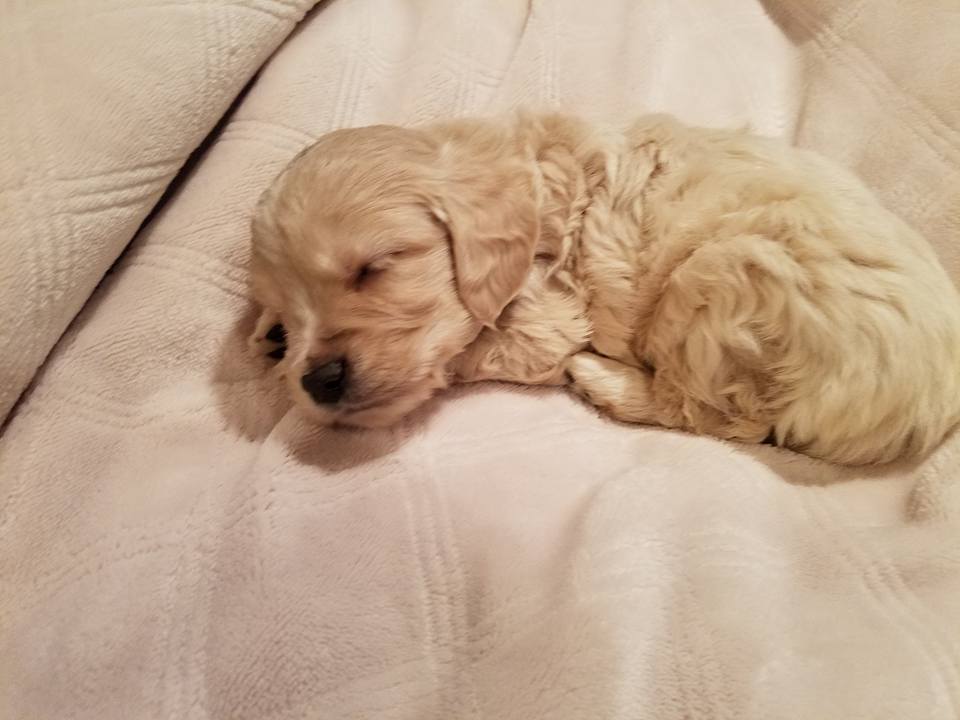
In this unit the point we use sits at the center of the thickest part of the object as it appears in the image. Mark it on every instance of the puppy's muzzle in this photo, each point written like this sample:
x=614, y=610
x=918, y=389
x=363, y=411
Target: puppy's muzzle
x=326, y=383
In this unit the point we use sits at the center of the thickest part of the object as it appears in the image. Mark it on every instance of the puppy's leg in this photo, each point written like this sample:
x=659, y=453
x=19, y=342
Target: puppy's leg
x=269, y=337
x=625, y=392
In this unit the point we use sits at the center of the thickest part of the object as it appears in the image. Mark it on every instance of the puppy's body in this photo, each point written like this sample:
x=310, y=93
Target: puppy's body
x=699, y=279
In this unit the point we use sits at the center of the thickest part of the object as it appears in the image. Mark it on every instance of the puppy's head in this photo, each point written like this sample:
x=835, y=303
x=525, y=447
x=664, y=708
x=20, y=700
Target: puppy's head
x=384, y=251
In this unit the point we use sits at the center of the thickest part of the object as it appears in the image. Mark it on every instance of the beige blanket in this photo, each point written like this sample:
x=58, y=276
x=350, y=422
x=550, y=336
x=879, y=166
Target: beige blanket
x=177, y=542
x=101, y=102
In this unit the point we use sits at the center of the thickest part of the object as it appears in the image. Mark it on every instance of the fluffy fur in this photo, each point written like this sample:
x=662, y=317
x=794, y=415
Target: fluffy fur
x=699, y=279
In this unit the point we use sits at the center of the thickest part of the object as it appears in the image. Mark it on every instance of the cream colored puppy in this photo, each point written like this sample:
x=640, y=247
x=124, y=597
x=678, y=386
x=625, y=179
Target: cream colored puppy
x=698, y=279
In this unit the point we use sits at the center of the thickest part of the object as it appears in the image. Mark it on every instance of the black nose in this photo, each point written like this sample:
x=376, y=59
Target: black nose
x=326, y=383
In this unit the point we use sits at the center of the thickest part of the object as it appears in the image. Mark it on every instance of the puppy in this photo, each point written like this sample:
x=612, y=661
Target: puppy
x=698, y=279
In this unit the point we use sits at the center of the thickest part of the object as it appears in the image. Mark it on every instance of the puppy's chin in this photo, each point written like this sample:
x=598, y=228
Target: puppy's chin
x=373, y=414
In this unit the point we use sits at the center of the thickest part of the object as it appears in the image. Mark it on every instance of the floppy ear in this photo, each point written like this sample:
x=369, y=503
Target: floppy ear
x=490, y=211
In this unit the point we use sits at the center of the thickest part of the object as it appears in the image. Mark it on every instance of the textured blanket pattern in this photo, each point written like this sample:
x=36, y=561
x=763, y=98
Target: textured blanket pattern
x=175, y=541
x=101, y=102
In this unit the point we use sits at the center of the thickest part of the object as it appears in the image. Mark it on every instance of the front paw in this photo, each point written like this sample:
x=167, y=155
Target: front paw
x=583, y=372
x=269, y=338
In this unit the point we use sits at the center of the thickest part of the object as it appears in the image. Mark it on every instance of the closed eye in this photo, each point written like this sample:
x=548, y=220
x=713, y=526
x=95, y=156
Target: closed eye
x=374, y=267
x=380, y=264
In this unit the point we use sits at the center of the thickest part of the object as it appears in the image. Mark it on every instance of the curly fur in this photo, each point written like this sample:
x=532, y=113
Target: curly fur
x=699, y=279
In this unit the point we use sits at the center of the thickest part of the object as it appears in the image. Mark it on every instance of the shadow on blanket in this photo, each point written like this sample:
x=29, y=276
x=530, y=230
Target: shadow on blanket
x=798, y=469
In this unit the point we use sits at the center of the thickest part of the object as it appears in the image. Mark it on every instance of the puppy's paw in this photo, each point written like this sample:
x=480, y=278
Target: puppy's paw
x=269, y=338
x=622, y=391
x=586, y=376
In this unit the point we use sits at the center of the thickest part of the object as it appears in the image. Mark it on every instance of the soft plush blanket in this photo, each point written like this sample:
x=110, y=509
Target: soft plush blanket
x=177, y=542
x=101, y=102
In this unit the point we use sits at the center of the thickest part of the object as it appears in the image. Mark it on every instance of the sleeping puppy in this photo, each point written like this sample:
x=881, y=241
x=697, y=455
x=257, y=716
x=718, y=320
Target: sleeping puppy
x=698, y=279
